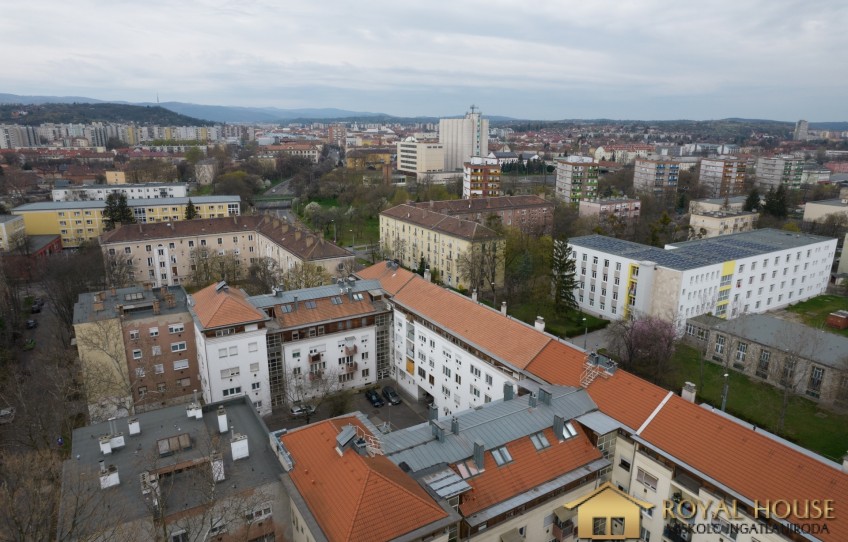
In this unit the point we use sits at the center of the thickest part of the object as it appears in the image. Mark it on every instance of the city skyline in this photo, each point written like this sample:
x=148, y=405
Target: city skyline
x=654, y=60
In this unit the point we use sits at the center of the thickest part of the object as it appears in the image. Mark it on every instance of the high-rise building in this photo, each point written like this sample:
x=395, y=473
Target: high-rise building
x=723, y=176
x=577, y=179
x=464, y=138
x=801, y=131
x=415, y=156
x=481, y=178
x=655, y=176
x=779, y=170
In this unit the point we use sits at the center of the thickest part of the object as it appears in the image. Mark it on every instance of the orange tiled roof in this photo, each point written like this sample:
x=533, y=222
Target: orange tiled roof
x=354, y=497
x=324, y=310
x=528, y=469
x=224, y=307
x=391, y=280
x=623, y=396
x=748, y=462
x=510, y=340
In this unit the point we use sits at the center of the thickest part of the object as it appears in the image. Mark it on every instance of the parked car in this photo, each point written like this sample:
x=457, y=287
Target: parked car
x=35, y=308
x=301, y=410
x=391, y=395
x=374, y=398
x=31, y=324
x=7, y=415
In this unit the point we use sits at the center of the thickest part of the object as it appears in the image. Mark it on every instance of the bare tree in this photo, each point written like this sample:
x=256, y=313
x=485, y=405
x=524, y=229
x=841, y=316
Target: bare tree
x=120, y=272
x=644, y=343
x=209, y=265
x=304, y=275
x=313, y=386
x=265, y=274
x=481, y=266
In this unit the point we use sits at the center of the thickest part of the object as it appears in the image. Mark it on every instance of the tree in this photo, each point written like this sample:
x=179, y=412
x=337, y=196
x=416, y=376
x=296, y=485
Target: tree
x=314, y=387
x=752, y=202
x=208, y=266
x=150, y=171
x=191, y=211
x=193, y=155
x=117, y=211
x=265, y=274
x=564, y=271
x=304, y=275
x=120, y=272
x=776, y=204
x=644, y=344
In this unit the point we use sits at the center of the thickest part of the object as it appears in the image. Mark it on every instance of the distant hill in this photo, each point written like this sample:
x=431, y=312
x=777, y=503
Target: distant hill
x=85, y=113
x=221, y=113
x=835, y=126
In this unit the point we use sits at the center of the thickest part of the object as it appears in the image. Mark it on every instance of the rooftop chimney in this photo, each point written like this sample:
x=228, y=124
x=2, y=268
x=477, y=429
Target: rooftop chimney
x=544, y=396
x=432, y=412
x=223, y=426
x=479, y=448
x=532, y=401
x=134, y=426
x=540, y=323
x=559, y=424
x=688, y=392
x=239, y=447
x=194, y=411
x=437, y=430
x=427, y=275
x=474, y=295
x=108, y=476
x=455, y=425
x=503, y=308
x=508, y=391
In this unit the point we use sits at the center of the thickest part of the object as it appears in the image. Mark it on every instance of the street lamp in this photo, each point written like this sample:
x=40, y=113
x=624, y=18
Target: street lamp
x=724, y=391
x=353, y=242
x=586, y=334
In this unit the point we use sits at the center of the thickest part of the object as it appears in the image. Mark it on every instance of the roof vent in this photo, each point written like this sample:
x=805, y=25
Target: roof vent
x=479, y=448
x=108, y=475
x=239, y=447
x=533, y=400
x=134, y=426
x=545, y=396
x=455, y=425
x=344, y=438
x=508, y=391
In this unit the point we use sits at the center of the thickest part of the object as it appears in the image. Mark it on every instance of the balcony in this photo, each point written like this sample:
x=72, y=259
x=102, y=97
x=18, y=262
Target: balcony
x=563, y=531
x=315, y=375
x=350, y=350
x=675, y=531
x=351, y=367
x=315, y=358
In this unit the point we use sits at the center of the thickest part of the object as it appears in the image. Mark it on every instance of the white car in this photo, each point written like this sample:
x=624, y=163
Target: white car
x=7, y=415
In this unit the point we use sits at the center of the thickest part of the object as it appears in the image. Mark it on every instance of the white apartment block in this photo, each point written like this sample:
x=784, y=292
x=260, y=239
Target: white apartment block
x=656, y=177
x=779, y=170
x=724, y=176
x=11, y=230
x=415, y=156
x=715, y=223
x=231, y=353
x=576, y=179
x=464, y=138
x=132, y=191
x=817, y=211
x=750, y=272
x=735, y=203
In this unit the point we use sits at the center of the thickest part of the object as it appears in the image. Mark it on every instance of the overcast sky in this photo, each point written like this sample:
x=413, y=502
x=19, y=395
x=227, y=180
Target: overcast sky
x=620, y=59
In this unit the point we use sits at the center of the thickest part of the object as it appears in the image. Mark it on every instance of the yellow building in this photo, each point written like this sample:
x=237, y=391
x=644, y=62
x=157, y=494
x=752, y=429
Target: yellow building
x=78, y=221
x=410, y=233
x=116, y=177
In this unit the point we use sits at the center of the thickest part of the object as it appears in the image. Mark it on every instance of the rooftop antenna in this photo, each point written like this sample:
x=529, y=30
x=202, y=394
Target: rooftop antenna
x=473, y=108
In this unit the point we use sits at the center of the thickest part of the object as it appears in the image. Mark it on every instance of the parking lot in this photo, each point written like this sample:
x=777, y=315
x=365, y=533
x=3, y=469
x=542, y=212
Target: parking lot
x=408, y=413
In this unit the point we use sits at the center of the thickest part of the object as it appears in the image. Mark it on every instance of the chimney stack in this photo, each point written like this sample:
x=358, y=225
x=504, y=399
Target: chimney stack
x=688, y=392
x=479, y=448
x=540, y=323
x=508, y=391
x=559, y=425
x=533, y=400
x=503, y=308
x=455, y=425
x=223, y=426
x=427, y=275
x=474, y=295
x=432, y=412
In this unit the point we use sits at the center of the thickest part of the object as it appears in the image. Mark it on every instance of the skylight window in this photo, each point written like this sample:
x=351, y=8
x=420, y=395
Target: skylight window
x=467, y=468
x=336, y=300
x=357, y=297
x=286, y=308
x=568, y=431
x=501, y=456
x=539, y=440
x=310, y=304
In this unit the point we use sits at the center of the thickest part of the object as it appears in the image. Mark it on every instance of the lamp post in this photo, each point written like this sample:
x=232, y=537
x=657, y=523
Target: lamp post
x=724, y=391
x=353, y=242
x=586, y=333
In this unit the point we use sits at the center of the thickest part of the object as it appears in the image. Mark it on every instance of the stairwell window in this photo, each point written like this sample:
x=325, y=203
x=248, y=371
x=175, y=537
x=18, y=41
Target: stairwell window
x=649, y=480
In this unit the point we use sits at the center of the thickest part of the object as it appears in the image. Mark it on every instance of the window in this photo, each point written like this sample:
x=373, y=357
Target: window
x=489, y=379
x=254, y=367
x=741, y=352
x=501, y=456
x=763, y=364
x=457, y=378
x=624, y=464
x=815, y=382
x=720, y=342
x=539, y=440
x=142, y=391
x=176, y=328
x=644, y=534
x=234, y=350
x=178, y=347
x=139, y=372
x=259, y=514
x=648, y=480
x=232, y=391
x=225, y=332
x=446, y=371
x=231, y=372
x=222, y=352
x=156, y=350
x=475, y=372
x=159, y=368
x=255, y=385
x=181, y=536
x=218, y=526
x=180, y=364
x=136, y=354
x=475, y=391
x=568, y=431
x=134, y=334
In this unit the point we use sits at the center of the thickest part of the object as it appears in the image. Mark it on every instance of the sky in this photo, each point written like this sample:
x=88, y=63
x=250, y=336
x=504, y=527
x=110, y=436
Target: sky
x=547, y=60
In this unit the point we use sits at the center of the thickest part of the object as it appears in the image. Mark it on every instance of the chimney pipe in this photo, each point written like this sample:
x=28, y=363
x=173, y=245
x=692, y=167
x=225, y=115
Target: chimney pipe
x=474, y=295
x=688, y=392
x=455, y=425
x=432, y=412
x=503, y=308
x=479, y=448
x=559, y=425
x=508, y=391
x=540, y=323
x=533, y=401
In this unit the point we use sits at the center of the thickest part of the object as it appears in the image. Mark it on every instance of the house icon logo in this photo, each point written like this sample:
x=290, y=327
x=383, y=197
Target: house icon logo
x=608, y=514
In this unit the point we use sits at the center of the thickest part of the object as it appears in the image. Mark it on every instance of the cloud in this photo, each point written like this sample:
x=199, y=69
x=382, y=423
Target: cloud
x=551, y=59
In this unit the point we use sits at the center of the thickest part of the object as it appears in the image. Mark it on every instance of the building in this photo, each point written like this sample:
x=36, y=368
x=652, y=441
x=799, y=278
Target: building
x=813, y=174
x=775, y=171
x=481, y=178
x=576, y=179
x=369, y=158
x=131, y=191
x=300, y=149
x=818, y=211
x=176, y=474
x=411, y=234
x=79, y=221
x=115, y=177
x=229, y=334
x=420, y=157
x=801, y=131
x=12, y=232
x=168, y=253
x=137, y=350
x=714, y=223
x=723, y=176
x=464, y=138
x=623, y=154
x=321, y=340
x=530, y=214
x=788, y=355
x=624, y=210
x=735, y=203
x=750, y=272
x=657, y=177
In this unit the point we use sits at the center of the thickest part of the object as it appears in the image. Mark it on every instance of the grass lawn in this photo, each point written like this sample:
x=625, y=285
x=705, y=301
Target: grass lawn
x=569, y=326
x=366, y=232
x=814, y=311
x=813, y=428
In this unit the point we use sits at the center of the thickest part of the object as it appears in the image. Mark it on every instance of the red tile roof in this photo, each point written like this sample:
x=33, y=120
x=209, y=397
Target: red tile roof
x=438, y=222
x=224, y=307
x=528, y=469
x=354, y=497
x=391, y=280
x=750, y=463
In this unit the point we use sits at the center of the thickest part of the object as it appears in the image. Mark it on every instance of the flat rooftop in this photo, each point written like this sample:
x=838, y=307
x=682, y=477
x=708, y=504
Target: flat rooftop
x=98, y=204
x=133, y=302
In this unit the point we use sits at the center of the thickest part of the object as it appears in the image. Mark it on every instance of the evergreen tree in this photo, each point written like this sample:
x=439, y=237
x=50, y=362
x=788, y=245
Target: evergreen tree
x=117, y=211
x=191, y=210
x=776, y=204
x=564, y=271
x=752, y=203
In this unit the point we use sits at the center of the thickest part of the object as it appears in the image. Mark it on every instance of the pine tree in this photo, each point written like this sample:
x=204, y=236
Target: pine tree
x=776, y=204
x=117, y=211
x=752, y=203
x=564, y=271
x=191, y=210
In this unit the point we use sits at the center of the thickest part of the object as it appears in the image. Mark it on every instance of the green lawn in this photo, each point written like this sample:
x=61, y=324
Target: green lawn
x=569, y=326
x=814, y=311
x=819, y=430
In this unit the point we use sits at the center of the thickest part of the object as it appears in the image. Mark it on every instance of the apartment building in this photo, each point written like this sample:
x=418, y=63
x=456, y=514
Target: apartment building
x=368, y=158
x=783, y=170
x=782, y=353
x=412, y=233
x=164, y=253
x=657, y=177
x=321, y=340
x=137, y=350
x=625, y=210
x=530, y=214
x=576, y=179
x=420, y=157
x=749, y=272
x=131, y=191
x=735, y=203
x=818, y=211
x=301, y=149
x=178, y=473
x=464, y=138
x=80, y=221
x=623, y=154
x=714, y=223
x=481, y=178
x=723, y=176
x=229, y=334
x=12, y=230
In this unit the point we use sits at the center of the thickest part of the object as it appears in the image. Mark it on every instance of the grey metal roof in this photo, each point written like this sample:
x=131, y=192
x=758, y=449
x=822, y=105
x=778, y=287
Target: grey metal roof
x=809, y=343
x=720, y=201
x=101, y=204
x=305, y=294
x=446, y=483
x=7, y=218
x=600, y=423
x=832, y=202
x=494, y=424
